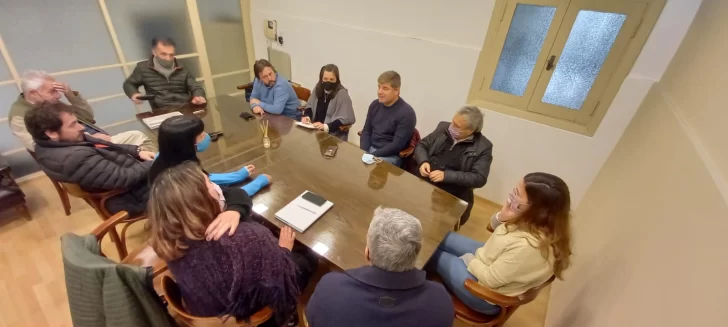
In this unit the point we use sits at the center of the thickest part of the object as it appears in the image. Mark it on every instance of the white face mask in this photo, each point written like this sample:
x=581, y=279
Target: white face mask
x=370, y=159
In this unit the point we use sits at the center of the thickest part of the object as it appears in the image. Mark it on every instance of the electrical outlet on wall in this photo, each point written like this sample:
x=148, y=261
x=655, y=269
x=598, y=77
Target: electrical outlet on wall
x=279, y=37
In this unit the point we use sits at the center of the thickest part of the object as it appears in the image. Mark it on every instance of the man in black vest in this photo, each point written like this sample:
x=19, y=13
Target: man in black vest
x=456, y=157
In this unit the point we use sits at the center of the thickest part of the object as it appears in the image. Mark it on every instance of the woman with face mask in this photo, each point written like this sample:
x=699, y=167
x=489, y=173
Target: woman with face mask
x=329, y=107
x=530, y=243
x=181, y=137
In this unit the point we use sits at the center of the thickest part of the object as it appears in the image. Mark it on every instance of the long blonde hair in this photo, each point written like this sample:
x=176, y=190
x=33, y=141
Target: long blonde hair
x=548, y=218
x=180, y=209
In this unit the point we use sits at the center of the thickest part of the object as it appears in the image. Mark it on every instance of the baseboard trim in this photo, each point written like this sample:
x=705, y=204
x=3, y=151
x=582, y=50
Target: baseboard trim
x=30, y=177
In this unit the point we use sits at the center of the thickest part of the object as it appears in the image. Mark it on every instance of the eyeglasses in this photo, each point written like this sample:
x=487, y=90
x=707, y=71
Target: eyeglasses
x=515, y=201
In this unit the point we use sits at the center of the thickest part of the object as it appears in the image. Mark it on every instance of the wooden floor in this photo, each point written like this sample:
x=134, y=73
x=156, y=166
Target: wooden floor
x=32, y=286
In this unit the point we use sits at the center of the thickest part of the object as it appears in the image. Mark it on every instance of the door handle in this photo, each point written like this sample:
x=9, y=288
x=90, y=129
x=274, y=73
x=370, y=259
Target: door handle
x=550, y=63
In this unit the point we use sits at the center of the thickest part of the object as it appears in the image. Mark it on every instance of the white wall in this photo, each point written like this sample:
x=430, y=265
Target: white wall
x=434, y=45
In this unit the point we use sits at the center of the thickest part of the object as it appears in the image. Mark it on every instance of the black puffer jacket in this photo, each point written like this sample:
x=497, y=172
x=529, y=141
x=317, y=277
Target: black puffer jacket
x=475, y=162
x=98, y=166
x=178, y=89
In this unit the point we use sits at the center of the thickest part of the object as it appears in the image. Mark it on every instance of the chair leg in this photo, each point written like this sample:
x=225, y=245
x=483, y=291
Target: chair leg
x=120, y=245
x=23, y=210
x=64, y=197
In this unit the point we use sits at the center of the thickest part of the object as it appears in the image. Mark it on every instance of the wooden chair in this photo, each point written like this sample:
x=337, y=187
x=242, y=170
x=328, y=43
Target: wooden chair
x=61, y=192
x=144, y=257
x=174, y=300
x=98, y=202
x=508, y=304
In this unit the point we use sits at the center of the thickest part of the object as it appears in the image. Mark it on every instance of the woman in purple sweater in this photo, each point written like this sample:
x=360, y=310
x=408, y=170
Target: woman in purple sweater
x=235, y=276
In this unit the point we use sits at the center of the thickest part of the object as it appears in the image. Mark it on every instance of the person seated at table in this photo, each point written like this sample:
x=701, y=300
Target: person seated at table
x=329, y=106
x=390, y=121
x=164, y=78
x=388, y=292
x=272, y=93
x=531, y=243
x=181, y=137
x=40, y=88
x=68, y=155
x=456, y=157
x=235, y=276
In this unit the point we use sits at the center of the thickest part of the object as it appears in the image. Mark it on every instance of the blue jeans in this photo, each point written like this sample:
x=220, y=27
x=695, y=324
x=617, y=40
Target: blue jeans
x=453, y=271
x=395, y=160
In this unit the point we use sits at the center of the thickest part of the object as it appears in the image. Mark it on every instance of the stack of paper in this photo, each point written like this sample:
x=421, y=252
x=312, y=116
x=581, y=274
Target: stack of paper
x=309, y=126
x=154, y=122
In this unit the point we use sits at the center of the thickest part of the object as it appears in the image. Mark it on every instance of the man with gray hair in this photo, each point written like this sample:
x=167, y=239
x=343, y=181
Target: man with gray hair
x=388, y=292
x=456, y=157
x=40, y=88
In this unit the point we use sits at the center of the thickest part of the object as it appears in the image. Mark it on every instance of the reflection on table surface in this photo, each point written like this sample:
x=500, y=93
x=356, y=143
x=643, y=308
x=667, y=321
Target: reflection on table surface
x=296, y=162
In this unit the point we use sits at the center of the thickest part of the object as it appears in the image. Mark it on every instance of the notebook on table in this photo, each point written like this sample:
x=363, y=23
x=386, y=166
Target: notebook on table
x=303, y=211
x=155, y=121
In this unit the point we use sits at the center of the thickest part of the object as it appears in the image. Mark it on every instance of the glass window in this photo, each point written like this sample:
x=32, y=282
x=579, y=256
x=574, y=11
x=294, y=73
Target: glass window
x=523, y=43
x=8, y=94
x=22, y=164
x=94, y=84
x=113, y=110
x=4, y=72
x=587, y=47
x=8, y=141
x=56, y=35
x=137, y=22
x=228, y=84
x=223, y=17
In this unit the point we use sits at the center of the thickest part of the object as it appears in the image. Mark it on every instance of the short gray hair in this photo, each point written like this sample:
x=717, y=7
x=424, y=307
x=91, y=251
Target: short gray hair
x=473, y=116
x=394, y=240
x=33, y=80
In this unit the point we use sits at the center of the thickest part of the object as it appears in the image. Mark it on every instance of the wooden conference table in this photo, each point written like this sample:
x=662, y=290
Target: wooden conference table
x=296, y=163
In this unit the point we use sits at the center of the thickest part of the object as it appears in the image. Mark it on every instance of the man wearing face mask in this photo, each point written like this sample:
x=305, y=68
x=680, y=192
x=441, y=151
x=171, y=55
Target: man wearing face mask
x=164, y=78
x=456, y=157
x=40, y=88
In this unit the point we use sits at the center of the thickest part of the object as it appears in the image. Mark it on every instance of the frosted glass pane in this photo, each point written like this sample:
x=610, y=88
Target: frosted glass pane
x=55, y=35
x=4, y=72
x=587, y=47
x=222, y=27
x=113, y=110
x=21, y=163
x=229, y=84
x=137, y=22
x=8, y=141
x=523, y=43
x=8, y=94
x=97, y=83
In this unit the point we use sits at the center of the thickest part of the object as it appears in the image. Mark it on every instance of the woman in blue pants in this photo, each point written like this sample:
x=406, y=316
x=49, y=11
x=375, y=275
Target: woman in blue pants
x=181, y=137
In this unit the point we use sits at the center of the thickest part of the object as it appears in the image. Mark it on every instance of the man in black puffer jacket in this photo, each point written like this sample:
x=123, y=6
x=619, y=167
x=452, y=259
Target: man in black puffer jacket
x=456, y=157
x=68, y=155
x=164, y=78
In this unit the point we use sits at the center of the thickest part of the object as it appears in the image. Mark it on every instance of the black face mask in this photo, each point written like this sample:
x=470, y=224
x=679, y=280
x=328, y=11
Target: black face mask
x=328, y=86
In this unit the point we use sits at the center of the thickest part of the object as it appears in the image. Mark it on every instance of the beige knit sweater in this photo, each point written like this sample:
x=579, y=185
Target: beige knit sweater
x=509, y=263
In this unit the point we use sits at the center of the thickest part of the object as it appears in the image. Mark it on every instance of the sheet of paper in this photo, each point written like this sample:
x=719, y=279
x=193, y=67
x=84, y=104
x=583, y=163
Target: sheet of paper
x=309, y=126
x=260, y=208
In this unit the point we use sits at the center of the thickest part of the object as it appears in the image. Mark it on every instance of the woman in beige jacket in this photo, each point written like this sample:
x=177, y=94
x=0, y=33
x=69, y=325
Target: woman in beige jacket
x=531, y=242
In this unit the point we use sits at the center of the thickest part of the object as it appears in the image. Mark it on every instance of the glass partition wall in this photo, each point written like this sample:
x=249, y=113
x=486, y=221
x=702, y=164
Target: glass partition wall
x=93, y=45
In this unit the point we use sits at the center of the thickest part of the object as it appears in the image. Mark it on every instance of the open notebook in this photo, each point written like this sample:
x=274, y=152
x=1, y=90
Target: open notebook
x=300, y=213
x=154, y=122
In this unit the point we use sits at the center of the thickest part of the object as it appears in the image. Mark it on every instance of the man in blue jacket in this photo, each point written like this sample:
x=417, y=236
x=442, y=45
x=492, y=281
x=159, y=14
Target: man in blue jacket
x=272, y=93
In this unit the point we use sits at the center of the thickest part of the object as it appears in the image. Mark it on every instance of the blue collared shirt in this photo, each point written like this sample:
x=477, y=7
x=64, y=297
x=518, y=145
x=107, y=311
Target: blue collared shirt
x=280, y=99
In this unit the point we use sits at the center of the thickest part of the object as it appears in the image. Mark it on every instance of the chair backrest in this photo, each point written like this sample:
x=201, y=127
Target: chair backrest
x=531, y=294
x=174, y=298
x=95, y=200
x=301, y=92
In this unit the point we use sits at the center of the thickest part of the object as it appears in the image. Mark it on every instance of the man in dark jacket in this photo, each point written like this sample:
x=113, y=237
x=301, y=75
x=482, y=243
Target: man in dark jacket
x=68, y=155
x=456, y=157
x=388, y=292
x=164, y=78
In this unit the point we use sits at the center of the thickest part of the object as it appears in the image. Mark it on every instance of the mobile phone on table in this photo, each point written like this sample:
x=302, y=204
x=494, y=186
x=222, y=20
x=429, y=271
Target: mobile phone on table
x=331, y=151
x=215, y=136
x=313, y=198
